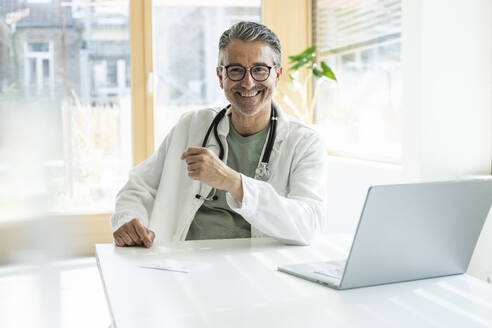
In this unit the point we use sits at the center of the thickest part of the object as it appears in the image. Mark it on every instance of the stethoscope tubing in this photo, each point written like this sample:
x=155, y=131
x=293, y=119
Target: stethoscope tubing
x=213, y=126
x=266, y=154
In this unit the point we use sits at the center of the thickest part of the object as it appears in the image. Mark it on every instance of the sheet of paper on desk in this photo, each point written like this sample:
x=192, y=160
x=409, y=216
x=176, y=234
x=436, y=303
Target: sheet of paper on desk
x=178, y=266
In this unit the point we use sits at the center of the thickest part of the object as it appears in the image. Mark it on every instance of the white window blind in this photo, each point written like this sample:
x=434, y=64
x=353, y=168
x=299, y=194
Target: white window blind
x=340, y=25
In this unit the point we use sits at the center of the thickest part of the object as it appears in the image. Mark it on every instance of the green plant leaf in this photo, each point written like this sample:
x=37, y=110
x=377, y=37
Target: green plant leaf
x=301, y=62
x=309, y=52
x=327, y=71
x=316, y=72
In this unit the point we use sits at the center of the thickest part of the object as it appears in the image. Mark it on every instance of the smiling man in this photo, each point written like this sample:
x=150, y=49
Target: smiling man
x=247, y=170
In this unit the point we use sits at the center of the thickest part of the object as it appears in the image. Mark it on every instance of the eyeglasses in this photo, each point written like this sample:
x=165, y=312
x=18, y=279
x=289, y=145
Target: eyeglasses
x=236, y=72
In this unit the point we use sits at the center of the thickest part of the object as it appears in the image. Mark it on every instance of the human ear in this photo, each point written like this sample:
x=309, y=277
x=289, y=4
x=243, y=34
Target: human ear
x=219, y=75
x=278, y=74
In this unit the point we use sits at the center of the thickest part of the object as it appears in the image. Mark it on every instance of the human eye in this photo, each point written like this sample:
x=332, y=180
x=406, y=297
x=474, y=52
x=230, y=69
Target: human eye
x=235, y=70
x=260, y=69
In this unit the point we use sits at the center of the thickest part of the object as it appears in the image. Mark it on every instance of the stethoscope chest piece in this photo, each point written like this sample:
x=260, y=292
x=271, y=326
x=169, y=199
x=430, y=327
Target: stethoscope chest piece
x=262, y=172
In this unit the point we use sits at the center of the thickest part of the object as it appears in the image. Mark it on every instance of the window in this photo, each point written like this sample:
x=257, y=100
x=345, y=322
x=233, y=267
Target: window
x=65, y=105
x=65, y=93
x=38, y=47
x=185, y=74
x=38, y=61
x=361, y=40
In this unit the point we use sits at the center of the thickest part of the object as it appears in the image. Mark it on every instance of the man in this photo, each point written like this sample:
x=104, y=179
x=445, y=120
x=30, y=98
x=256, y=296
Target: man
x=186, y=192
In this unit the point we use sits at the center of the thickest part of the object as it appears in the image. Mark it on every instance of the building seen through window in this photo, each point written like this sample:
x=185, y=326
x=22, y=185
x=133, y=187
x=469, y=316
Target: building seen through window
x=65, y=75
x=65, y=86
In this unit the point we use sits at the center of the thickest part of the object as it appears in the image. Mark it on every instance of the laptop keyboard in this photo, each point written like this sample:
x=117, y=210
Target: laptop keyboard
x=331, y=269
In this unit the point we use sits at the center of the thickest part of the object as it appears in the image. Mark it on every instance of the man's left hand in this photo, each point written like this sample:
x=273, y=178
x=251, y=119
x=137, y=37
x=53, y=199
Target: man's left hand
x=205, y=166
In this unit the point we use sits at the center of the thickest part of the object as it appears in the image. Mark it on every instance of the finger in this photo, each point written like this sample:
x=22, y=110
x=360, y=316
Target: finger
x=121, y=242
x=126, y=238
x=151, y=236
x=194, y=167
x=133, y=235
x=195, y=174
x=196, y=150
x=142, y=233
x=118, y=241
x=117, y=238
x=130, y=231
x=194, y=159
x=193, y=151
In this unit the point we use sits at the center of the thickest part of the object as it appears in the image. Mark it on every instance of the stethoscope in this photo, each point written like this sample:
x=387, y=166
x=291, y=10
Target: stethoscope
x=262, y=171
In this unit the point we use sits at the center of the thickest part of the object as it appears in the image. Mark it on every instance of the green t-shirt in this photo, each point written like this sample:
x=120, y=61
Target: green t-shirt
x=215, y=219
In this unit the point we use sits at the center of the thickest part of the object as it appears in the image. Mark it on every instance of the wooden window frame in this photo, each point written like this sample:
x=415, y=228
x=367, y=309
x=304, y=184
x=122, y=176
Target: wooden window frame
x=295, y=34
x=81, y=231
x=96, y=227
x=142, y=81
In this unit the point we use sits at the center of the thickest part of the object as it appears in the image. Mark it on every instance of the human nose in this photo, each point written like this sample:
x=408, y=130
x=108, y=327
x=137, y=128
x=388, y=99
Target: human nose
x=248, y=81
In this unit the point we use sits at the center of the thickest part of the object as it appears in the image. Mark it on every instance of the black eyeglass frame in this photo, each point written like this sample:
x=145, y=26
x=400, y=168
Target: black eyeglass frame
x=248, y=69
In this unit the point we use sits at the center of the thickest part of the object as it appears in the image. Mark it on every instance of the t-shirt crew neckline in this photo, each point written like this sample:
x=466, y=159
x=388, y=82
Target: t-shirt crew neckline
x=236, y=136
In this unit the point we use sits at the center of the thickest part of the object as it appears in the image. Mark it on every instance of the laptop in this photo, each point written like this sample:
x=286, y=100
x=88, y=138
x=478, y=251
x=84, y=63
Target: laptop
x=408, y=232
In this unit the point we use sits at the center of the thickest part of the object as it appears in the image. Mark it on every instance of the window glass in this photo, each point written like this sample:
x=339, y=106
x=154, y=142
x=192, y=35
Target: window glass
x=361, y=40
x=65, y=143
x=38, y=46
x=46, y=70
x=186, y=39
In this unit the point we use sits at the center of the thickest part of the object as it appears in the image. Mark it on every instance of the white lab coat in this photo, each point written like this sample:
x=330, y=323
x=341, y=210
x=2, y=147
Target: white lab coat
x=289, y=206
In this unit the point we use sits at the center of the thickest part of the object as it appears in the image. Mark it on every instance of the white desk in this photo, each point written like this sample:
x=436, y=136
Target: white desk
x=243, y=288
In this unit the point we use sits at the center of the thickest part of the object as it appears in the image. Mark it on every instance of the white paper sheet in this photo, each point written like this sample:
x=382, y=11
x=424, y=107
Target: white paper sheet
x=178, y=266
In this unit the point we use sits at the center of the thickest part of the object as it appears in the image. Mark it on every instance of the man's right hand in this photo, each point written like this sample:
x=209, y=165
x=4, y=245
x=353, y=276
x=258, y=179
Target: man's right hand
x=133, y=233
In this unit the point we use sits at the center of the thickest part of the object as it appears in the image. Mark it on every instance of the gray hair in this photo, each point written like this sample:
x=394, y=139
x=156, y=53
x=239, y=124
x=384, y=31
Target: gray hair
x=249, y=32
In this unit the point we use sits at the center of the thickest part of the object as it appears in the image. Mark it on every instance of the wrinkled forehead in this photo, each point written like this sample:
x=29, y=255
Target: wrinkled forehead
x=247, y=53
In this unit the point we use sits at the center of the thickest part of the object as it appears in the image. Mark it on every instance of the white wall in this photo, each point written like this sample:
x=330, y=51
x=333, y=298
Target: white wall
x=347, y=184
x=481, y=262
x=447, y=88
x=447, y=96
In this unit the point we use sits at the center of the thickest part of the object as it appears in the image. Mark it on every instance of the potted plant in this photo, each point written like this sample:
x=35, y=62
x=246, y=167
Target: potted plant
x=317, y=70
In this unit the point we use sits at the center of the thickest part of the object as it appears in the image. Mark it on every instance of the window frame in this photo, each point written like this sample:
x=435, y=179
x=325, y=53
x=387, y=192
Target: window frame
x=295, y=35
x=87, y=229
x=39, y=57
x=142, y=114
x=142, y=82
